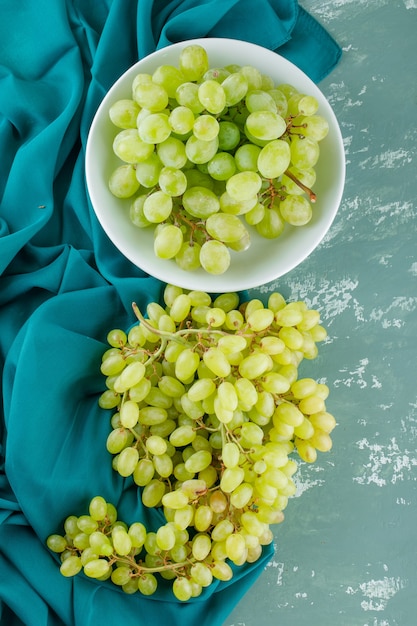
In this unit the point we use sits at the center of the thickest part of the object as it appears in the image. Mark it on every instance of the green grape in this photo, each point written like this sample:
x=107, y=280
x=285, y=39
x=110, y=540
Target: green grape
x=138, y=392
x=143, y=472
x=181, y=120
x=121, y=575
x=147, y=171
x=123, y=182
x=193, y=62
x=234, y=207
x=165, y=537
x=308, y=105
x=87, y=524
x=199, y=151
x=265, y=125
x=182, y=589
x=243, y=185
x=186, y=364
x=200, y=202
x=255, y=215
x=221, y=570
x=235, y=87
x=215, y=317
x=150, y=96
x=180, y=307
x=316, y=127
x=157, y=207
x=296, y=210
x=201, y=389
x=305, y=152
x=288, y=413
x=251, y=433
x=288, y=316
x=255, y=365
x=216, y=73
x=56, y=543
x=172, y=181
x=246, y=393
x=100, y=544
x=274, y=158
x=130, y=376
x=171, y=153
x=121, y=541
x=136, y=213
x=201, y=574
x=156, y=397
x=227, y=395
x=231, y=478
x=129, y=414
x=212, y=96
x=214, y=257
x=151, y=415
x=187, y=96
x=123, y=113
x=229, y=135
x=98, y=508
x=225, y=227
x=253, y=76
x=127, y=461
x=154, y=129
x=147, y=584
x=71, y=566
x=168, y=241
x=307, y=452
x=198, y=461
x=156, y=445
x=246, y=157
x=222, y=530
x=201, y=546
x=137, y=534
x=171, y=387
x=311, y=404
x=323, y=421
x=221, y=166
x=152, y=493
x=130, y=147
x=216, y=361
x=280, y=100
x=188, y=256
x=163, y=465
x=182, y=436
x=203, y=517
x=260, y=100
x=206, y=127
x=235, y=547
x=241, y=496
x=169, y=77
x=183, y=517
x=230, y=454
x=260, y=319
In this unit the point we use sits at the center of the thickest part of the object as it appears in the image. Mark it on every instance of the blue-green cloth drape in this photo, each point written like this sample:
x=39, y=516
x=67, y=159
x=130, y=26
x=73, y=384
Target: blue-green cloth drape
x=63, y=285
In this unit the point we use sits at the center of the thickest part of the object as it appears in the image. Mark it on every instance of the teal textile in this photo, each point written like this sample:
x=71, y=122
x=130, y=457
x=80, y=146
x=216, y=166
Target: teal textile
x=63, y=285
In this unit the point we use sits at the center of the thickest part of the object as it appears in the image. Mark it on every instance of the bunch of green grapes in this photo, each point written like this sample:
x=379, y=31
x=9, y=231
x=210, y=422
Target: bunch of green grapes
x=208, y=413
x=210, y=153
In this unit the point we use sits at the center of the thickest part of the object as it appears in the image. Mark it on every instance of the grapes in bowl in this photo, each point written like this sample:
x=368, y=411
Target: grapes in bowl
x=215, y=164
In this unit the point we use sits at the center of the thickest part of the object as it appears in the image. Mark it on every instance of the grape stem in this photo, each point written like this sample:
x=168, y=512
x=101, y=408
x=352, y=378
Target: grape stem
x=312, y=196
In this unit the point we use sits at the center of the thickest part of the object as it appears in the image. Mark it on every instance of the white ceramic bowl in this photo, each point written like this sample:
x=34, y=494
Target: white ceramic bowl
x=265, y=260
